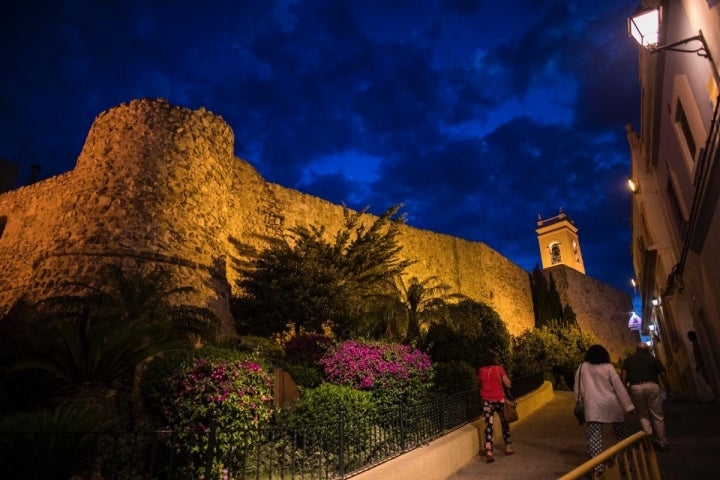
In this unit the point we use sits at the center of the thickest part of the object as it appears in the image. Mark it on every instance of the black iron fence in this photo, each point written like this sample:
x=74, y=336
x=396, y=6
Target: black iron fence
x=322, y=451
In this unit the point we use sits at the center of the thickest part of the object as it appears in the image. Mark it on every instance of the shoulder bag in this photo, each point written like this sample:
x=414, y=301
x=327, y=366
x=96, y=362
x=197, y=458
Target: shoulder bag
x=509, y=405
x=579, y=409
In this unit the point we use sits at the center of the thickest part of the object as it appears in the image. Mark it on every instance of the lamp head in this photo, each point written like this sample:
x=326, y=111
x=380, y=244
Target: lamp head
x=633, y=186
x=644, y=27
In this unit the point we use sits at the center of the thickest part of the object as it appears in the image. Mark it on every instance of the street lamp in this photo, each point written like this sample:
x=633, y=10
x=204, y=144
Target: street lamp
x=644, y=27
x=633, y=186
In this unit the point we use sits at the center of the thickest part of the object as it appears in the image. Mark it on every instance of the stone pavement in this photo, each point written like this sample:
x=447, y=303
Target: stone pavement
x=550, y=443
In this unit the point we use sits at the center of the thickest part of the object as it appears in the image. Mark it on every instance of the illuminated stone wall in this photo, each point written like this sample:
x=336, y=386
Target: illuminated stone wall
x=157, y=183
x=599, y=308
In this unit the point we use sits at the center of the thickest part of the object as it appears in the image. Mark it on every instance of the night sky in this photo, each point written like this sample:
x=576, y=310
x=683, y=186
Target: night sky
x=475, y=115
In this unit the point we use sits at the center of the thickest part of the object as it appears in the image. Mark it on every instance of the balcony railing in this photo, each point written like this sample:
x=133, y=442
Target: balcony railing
x=631, y=459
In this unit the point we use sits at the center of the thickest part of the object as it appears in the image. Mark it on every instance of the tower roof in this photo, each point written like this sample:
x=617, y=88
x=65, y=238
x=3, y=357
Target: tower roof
x=560, y=217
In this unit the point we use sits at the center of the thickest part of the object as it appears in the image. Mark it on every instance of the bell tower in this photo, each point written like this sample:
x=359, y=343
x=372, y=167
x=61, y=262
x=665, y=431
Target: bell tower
x=559, y=243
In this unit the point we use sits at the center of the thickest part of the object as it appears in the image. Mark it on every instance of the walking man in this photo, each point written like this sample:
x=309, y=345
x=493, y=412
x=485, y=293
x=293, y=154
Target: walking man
x=642, y=371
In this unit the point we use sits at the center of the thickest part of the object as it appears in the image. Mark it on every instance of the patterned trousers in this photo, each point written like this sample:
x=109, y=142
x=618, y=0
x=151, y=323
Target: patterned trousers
x=489, y=411
x=594, y=435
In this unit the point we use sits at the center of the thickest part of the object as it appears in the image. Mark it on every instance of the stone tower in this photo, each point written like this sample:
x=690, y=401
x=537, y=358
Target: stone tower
x=559, y=243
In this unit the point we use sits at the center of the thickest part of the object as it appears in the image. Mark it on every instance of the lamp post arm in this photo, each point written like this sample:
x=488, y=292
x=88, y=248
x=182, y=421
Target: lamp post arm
x=701, y=51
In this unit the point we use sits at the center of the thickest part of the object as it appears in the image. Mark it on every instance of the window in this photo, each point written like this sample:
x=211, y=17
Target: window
x=575, y=251
x=687, y=121
x=3, y=222
x=682, y=121
x=555, y=256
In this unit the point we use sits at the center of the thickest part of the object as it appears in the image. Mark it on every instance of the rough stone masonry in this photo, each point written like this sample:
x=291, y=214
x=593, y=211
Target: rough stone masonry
x=159, y=184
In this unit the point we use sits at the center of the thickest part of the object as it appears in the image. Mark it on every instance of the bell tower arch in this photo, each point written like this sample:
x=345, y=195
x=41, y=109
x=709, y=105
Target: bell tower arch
x=559, y=242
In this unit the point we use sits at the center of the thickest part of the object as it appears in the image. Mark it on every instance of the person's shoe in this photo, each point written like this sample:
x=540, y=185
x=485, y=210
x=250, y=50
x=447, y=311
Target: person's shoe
x=663, y=447
x=509, y=451
x=489, y=458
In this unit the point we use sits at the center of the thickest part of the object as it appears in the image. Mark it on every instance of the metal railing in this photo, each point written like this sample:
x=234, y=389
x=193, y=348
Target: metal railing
x=330, y=451
x=632, y=458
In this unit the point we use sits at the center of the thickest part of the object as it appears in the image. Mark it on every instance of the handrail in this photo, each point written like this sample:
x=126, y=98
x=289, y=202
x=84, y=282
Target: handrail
x=638, y=462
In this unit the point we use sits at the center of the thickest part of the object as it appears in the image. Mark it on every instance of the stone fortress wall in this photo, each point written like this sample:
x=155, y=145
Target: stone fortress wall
x=599, y=308
x=157, y=183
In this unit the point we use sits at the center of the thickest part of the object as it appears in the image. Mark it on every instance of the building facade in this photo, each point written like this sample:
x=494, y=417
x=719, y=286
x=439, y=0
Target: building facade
x=675, y=181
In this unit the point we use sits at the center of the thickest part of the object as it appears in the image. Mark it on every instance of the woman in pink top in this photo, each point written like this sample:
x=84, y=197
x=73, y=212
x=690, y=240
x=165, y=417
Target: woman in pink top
x=492, y=377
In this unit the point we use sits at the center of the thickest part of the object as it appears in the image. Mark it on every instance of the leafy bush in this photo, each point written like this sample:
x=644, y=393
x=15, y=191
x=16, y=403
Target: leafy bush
x=557, y=350
x=394, y=373
x=262, y=348
x=155, y=387
x=322, y=405
x=305, y=375
x=236, y=395
x=316, y=418
x=445, y=344
x=472, y=329
x=306, y=348
x=454, y=377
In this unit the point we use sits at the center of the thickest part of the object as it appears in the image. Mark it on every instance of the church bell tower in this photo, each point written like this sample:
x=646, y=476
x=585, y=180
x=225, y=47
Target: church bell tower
x=559, y=243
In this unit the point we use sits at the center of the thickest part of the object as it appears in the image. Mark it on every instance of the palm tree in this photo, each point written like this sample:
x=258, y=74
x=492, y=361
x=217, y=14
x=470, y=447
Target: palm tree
x=88, y=356
x=412, y=307
x=91, y=343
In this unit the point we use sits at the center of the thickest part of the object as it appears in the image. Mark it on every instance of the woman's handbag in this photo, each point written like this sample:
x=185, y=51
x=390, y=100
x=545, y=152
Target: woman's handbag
x=579, y=409
x=509, y=405
x=510, y=410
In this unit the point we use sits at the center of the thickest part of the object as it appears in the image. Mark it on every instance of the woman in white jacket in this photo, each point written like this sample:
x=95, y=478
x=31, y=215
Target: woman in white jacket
x=603, y=394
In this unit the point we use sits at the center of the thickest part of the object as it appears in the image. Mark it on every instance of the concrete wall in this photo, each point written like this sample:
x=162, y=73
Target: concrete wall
x=446, y=455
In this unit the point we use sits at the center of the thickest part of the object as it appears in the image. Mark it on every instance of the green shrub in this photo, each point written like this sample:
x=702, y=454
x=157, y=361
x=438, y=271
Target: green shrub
x=306, y=348
x=305, y=376
x=556, y=349
x=322, y=405
x=472, y=329
x=262, y=349
x=454, y=377
x=315, y=421
x=155, y=387
x=234, y=396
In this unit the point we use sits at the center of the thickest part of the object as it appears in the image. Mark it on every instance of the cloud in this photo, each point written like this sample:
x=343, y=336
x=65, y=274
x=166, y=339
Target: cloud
x=476, y=115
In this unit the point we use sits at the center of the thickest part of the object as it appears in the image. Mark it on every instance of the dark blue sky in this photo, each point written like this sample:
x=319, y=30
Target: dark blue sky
x=476, y=115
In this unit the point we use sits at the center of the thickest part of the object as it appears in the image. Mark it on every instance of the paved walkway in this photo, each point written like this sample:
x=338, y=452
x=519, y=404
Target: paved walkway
x=550, y=443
